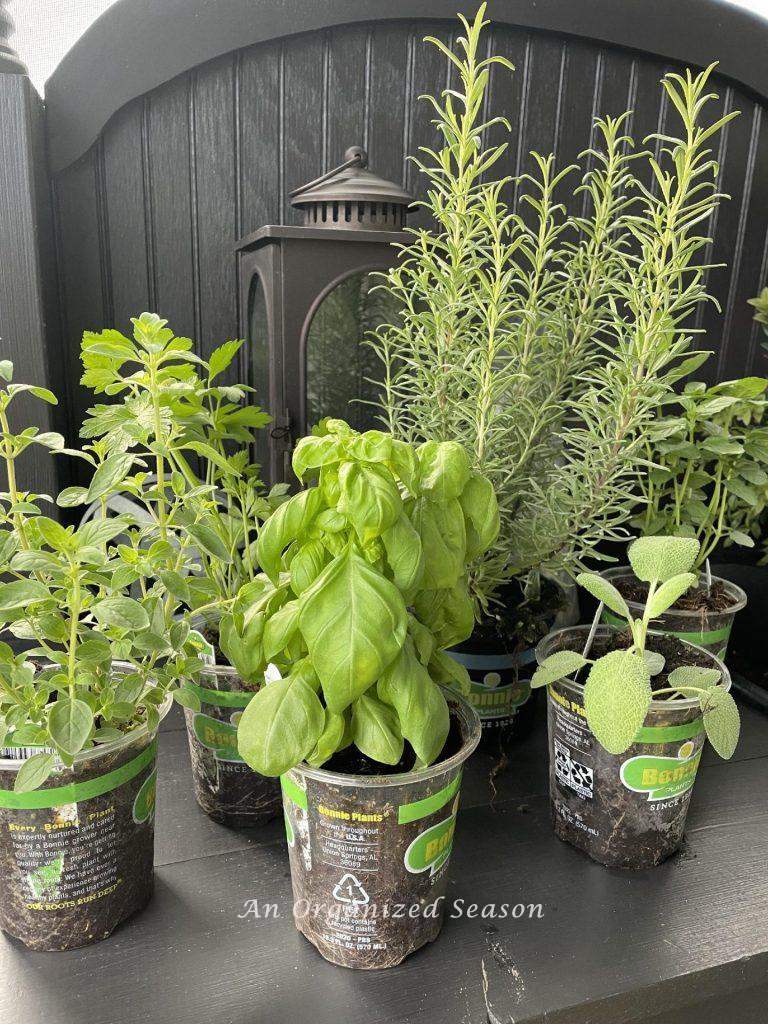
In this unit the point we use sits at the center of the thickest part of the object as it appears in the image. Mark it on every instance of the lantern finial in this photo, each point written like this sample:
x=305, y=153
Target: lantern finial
x=350, y=196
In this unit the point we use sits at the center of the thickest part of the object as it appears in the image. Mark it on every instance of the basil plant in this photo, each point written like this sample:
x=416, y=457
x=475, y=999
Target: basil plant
x=66, y=598
x=618, y=691
x=363, y=586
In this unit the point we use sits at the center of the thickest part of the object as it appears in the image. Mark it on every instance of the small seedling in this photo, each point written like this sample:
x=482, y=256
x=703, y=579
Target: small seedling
x=618, y=693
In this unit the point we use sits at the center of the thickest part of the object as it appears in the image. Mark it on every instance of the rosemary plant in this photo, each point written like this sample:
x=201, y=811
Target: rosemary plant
x=544, y=340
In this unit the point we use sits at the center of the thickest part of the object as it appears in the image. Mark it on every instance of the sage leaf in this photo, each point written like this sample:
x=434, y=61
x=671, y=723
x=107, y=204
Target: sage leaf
x=557, y=666
x=604, y=591
x=669, y=592
x=721, y=720
x=354, y=623
x=654, y=662
x=694, y=677
x=617, y=695
x=658, y=559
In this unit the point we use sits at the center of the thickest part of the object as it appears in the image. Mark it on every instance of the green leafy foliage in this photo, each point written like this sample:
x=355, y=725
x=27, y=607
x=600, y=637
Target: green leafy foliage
x=618, y=693
x=178, y=418
x=706, y=474
x=385, y=531
x=546, y=318
x=67, y=596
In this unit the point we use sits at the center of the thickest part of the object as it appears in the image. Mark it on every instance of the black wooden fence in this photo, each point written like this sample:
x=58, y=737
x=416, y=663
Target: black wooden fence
x=175, y=129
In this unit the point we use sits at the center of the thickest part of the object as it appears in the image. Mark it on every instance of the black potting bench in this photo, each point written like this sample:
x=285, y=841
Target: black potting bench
x=684, y=944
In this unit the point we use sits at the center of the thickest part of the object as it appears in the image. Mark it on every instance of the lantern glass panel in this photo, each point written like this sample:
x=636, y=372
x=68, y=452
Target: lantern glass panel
x=342, y=370
x=259, y=340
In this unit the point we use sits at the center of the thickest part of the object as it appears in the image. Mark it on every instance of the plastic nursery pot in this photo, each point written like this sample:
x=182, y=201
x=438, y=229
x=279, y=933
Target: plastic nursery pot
x=225, y=787
x=77, y=855
x=626, y=810
x=500, y=669
x=369, y=853
x=708, y=629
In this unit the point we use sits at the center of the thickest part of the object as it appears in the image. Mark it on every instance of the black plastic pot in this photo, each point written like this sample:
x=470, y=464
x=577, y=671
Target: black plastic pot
x=77, y=855
x=708, y=629
x=626, y=810
x=369, y=854
x=225, y=787
x=500, y=668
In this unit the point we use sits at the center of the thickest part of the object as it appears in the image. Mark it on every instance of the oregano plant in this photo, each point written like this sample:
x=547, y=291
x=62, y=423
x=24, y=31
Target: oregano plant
x=617, y=691
x=363, y=584
x=204, y=499
x=706, y=465
x=66, y=597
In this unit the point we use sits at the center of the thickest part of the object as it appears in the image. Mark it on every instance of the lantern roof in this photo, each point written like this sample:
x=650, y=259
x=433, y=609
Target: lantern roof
x=351, y=196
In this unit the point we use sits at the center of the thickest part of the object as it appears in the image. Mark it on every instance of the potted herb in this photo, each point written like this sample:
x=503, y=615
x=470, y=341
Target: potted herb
x=79, y=713
x=542, y=338
x=196, y=432
x=626, y=736
x=706, y=478
x=364, y=584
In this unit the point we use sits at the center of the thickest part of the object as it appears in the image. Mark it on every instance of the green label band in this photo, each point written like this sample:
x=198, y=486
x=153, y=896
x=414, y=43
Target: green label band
x=76, y=792
x=294, y=793
x=712, y=636
x=221, y=698
x=670, y=733
x=423, y=808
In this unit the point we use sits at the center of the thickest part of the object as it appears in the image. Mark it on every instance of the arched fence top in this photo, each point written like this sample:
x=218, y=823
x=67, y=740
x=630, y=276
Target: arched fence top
x=136, y=45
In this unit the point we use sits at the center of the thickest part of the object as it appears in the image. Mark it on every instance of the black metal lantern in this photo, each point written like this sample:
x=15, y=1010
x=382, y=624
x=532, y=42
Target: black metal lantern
x=308, y=300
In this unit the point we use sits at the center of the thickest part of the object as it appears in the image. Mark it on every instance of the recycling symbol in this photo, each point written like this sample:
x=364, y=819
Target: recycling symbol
x=349, y=890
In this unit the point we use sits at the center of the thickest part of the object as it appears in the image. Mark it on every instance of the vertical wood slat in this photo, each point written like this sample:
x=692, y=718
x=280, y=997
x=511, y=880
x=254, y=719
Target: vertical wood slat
x=123, y=169
x=214, y=214
x=169, y=199
x=24, y=240
x=207, y=157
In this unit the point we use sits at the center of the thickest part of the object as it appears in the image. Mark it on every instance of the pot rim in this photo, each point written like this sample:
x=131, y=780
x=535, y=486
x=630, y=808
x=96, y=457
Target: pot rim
x=93, y=753
x=470, y=720
x=676, y=702
x=734, y=590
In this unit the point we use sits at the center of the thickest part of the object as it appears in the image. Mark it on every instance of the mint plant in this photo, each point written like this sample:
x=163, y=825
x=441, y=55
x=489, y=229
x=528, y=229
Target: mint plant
x=543, y=338
x=618, y=693
x=363, y=585
x=707, y=459
x=204, y=499
x=66, y=596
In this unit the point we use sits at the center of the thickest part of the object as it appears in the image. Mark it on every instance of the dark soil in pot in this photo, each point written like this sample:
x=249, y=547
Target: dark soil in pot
x=703, y=616
x=77, y=861
x=627, y=810
x=500, y=657
x=225, y=787
x=369, y=851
